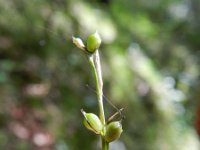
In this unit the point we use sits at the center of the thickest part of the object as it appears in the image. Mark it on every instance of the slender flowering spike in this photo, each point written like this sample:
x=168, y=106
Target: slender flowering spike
x=78, y=42
x=113, y=131
x=92, y=122
x=93, y=42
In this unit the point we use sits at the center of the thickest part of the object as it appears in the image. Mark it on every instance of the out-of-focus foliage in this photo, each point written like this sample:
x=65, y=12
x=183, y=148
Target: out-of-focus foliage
x=150, y=58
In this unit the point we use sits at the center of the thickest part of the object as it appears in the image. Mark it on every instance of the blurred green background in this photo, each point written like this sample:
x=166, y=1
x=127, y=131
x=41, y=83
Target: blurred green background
x=150, y=58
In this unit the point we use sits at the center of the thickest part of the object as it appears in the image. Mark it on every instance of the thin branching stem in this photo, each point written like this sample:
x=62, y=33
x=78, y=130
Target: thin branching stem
x=94, y=60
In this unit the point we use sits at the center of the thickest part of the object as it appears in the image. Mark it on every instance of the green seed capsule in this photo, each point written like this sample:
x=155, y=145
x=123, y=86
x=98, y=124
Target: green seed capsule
x=93, y=42
x=113, y=131
x=92, y=122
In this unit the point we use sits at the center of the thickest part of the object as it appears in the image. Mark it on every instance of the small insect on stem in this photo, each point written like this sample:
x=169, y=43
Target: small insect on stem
x=119, y=112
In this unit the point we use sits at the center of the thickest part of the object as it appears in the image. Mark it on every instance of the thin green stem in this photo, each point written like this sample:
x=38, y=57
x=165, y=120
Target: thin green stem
x=94, y=60
x=95, y=63
x=105, y=145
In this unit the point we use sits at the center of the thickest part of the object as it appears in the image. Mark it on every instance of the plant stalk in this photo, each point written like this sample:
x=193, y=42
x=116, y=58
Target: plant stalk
x=94, y=60
x=105, y=145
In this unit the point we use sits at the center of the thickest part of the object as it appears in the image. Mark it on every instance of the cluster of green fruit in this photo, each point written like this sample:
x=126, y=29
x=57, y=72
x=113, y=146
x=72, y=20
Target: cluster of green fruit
x=93, y=43
x=110, y=132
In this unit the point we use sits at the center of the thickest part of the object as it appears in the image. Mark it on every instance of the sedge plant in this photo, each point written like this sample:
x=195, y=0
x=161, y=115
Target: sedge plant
x=108, y=130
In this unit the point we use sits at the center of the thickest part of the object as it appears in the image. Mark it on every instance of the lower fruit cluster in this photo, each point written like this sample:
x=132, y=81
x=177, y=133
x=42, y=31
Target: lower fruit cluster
x=110, y=132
